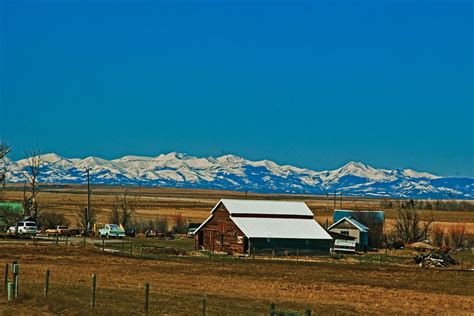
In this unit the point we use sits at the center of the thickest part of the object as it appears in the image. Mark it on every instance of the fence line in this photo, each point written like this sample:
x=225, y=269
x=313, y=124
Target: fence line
x=13, y=296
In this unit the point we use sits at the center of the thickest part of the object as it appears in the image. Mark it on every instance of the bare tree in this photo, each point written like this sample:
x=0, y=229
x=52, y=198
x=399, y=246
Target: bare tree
x=4, y=150
x=51, y=220
x=457, y=235
x=114, y=217
x=31, y=172
x=123, y=209
x=410, y=226
x=83, y=218
x=180, y=224
x=437, y=235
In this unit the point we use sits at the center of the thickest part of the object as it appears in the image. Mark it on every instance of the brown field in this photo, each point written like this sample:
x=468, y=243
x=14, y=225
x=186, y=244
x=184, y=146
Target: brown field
x=195, y=205
x=232, y=286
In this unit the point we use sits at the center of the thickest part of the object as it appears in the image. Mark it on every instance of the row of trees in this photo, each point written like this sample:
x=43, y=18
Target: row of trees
x=454, y=236
x=412, y=225
x=438, y=205
x=176, y=224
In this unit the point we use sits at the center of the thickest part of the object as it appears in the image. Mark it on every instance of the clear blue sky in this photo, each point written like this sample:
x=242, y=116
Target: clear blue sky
x=309, y=83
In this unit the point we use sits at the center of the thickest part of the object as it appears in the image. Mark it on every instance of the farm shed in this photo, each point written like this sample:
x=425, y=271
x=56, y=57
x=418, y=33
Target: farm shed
x=374, y=220
x=350, y=227
x=249, y=226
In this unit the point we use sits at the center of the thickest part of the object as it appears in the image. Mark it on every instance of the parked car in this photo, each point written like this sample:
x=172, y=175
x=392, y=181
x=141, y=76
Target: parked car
x=111, y=230
x=150, y=233
x=24, y=228
x=58, y=230
x=130, y=232
x=75, y=232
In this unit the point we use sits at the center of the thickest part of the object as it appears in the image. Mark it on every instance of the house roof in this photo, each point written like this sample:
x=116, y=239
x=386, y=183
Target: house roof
x=294, y=228
x=14, y=207
x=354, y=223
x=264, y=207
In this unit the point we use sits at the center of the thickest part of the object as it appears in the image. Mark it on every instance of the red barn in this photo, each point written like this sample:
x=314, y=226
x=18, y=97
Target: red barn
x=245, y=226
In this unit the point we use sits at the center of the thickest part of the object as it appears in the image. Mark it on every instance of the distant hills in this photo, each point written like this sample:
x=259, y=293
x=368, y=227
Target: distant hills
x=231, y=172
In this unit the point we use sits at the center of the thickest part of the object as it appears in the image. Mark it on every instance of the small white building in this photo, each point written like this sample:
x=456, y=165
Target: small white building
x=350, y=227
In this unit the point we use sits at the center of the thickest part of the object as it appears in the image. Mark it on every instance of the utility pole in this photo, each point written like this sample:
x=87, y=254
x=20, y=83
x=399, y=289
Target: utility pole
x=340, y=202
x=88, y=214
x=327, y=202
x=335, y=199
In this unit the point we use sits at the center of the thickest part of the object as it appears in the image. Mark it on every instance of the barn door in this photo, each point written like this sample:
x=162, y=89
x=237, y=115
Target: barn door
x=212, y=240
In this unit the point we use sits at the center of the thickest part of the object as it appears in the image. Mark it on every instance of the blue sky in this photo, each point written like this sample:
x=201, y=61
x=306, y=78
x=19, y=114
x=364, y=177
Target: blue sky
x=309, y=83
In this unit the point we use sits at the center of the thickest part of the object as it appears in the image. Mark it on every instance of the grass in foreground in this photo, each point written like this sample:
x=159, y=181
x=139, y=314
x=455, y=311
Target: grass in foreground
x=232, y=286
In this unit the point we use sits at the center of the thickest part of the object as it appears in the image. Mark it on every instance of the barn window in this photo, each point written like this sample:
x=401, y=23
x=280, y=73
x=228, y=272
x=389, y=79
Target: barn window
x=345, y=232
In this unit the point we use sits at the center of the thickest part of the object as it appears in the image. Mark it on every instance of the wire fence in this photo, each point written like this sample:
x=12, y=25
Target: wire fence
x=95, y=298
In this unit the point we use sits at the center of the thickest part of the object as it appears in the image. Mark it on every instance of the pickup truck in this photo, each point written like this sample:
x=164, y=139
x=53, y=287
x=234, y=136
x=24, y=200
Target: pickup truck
x=111, y=230
x=58, y=230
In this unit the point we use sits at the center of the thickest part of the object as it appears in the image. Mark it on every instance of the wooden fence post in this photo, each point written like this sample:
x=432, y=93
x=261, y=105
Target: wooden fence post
x=16, y=272
x=93, y=290
x=66, y=239
x=57, y=239
x=204, y=301
x=46, y=284
x=103, y=244
x=5, y=279
x=147, y=295
x=11, y=289
x=272, y=309
x=123, y=245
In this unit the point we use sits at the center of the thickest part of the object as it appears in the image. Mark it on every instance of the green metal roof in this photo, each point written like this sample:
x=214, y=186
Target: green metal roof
x=11, y=206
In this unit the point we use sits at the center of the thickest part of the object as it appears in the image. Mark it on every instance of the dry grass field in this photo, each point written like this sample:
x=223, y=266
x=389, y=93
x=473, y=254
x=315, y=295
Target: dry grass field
x=195, y=205
x=232, y=286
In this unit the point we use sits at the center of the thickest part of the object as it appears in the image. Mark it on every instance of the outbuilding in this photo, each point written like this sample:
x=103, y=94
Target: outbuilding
x=257, y=226
x=373, y=220
x=350, y=227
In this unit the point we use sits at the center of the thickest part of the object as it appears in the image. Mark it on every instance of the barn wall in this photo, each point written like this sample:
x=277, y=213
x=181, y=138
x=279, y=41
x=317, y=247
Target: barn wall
x=221, y=234
x=310, y=246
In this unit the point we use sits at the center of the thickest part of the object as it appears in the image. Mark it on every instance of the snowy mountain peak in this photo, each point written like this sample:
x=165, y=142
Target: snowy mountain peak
x=354, y=166
x=50, y=158
x=230, y=172
x=230, y=159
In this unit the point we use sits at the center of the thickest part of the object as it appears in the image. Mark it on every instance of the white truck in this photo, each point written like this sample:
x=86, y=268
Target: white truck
x=111, y=230
x=24, y=228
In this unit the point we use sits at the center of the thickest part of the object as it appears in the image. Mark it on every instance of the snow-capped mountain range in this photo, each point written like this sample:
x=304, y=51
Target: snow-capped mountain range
x=231, y=172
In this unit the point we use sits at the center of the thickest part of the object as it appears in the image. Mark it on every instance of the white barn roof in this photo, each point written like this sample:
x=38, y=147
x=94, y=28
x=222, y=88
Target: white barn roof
x=265, y=207
x=293, y=228
x=254, y=225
